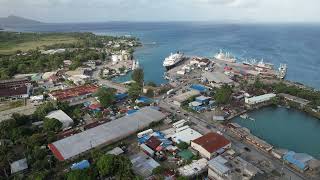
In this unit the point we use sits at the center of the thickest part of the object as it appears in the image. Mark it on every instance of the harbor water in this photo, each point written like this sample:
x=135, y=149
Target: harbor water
x=285, y=128
x=297, y=45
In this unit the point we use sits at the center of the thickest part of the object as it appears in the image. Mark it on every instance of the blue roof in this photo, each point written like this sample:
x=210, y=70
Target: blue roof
x=198, y=87
x=144, y=99
x=202, y=98
x=300, y=160
x=131, y=111
x=121, y=96
x=80, y=165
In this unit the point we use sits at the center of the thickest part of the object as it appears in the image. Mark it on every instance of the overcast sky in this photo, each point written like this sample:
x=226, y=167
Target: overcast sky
x=164, y=10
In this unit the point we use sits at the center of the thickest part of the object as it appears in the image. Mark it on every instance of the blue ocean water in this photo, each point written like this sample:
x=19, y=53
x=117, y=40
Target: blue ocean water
x=297, y=45
x=286, y=129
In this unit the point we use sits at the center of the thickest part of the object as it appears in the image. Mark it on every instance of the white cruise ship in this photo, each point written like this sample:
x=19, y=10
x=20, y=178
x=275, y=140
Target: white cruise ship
x=173, y=60
x=225, y=57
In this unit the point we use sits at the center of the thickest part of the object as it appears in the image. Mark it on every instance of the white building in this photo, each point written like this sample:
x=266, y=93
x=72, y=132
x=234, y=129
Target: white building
x=62, y=117
x=259, y=99
x=195, y=168
x=186, y=135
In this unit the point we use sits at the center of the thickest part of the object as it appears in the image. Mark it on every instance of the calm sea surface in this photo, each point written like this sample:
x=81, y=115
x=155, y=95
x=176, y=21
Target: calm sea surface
x=285, y=128
x=296, y=45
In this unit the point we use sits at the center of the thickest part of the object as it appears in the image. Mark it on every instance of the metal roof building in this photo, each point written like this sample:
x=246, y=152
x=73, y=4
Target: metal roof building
x=217, y=77
x=104, y=134
x=259, y=99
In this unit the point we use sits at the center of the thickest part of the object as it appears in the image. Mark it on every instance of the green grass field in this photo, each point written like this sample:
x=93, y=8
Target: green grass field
x=10, y=47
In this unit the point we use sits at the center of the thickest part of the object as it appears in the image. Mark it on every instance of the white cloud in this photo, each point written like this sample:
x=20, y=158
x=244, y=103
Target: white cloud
x=163, y=10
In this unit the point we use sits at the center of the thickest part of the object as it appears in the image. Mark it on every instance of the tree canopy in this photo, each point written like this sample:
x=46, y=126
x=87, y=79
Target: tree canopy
x=106, y=96
x=138, y=76
x=134, y=91
x=223, y=94
x=52, y=124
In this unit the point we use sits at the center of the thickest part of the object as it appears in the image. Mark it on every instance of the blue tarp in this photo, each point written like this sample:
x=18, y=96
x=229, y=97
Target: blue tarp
x=300, y=160
x=131, y=111
x=80, y=165
x=144, y=99
x=143, y=139
x=121, y=96
x=199, y=87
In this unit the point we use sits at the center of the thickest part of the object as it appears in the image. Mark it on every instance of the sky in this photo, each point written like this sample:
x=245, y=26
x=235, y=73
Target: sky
x=164, y=10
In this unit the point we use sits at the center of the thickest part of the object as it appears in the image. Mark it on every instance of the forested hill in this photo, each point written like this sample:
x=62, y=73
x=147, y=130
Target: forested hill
x=13, y=21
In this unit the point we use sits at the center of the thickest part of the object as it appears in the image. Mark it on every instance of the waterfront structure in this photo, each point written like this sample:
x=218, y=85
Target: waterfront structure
x=73, y=94
x=295, y=99
x=62, y=117
x=179, y=99
x=244, y=133
x=15, y=89
x=195, y=168
x=256, y=100
x=210, y=145
x=173, y=60
x=298, y=160
x=143, y=164
x=104, y=134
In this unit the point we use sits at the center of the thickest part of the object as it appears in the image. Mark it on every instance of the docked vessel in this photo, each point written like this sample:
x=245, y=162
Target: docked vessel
x=173, y=60
x=225, y=57
x=249, y=62
x=264, y=65
x=135, y=64
x=282, y=71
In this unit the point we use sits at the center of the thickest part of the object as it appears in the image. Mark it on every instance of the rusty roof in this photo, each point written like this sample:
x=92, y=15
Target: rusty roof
x=212, y=142
x=153, y=143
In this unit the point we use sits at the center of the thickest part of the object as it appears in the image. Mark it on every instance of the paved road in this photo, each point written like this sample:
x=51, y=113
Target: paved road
x=202, y=124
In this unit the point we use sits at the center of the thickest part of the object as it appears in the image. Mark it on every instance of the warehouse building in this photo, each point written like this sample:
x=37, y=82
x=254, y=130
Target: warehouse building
x=216, y=79
x=104, y=134
x=74, y=94
x=210, y=144
x=62, y=117
x=179, y=99
x=15, y=89
x=256, y=100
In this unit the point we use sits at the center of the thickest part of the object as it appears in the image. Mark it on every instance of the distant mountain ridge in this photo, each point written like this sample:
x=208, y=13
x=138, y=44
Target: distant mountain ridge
x=12, y=21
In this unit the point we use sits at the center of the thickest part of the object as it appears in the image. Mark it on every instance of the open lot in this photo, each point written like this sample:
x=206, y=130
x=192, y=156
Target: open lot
x=11, y=47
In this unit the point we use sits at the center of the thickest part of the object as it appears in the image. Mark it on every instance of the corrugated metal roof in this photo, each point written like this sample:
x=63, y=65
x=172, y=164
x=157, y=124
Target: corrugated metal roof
x=105, y=133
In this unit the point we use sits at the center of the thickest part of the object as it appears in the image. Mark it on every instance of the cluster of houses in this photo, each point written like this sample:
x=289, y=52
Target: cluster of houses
x=214, y=152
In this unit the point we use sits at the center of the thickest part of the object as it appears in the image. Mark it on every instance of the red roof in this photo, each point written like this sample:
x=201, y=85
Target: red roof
x=56, y=152
x=153, y=143
x=212, y=142
x=74, y=92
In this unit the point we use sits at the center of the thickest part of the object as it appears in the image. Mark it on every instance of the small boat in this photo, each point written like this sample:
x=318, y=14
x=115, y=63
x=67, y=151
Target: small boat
x=244, y=116
x=252, y=119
